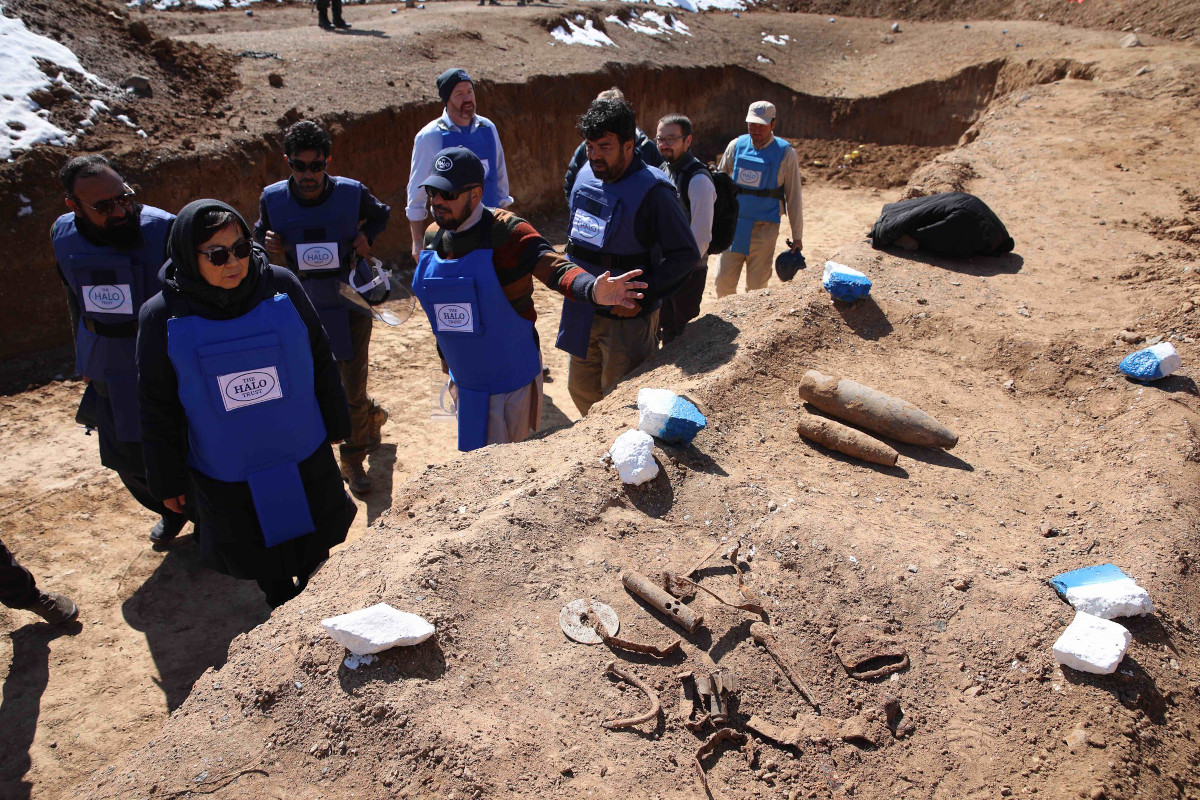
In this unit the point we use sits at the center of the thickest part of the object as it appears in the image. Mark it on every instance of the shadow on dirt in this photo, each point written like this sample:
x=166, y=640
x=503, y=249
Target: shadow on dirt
x=653, y=498
x=553, y=418
x=425, y=660
x=1172, y=384
x=1130, y=685
x=865, y=318
x=704, y=345
x=27, y=678
x=190, y=614
x=979, y=266
x=381, y=467
x=931, y=455
x=895, y=472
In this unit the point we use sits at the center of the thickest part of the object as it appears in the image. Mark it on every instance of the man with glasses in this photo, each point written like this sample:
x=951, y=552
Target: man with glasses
x=323, y=227
x=458, y=126
x=624, y=216
x=474, y=279
x=109, y=250
x=698, y=194
x=767, y=173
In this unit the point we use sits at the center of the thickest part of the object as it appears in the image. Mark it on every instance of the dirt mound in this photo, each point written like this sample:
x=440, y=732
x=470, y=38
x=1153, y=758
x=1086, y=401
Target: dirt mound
x=1178, y=20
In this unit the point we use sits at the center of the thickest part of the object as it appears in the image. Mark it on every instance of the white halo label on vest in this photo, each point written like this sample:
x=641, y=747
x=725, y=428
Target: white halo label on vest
x=108, y=299
x=317, y=255
x=587, y=227
x=749, y=177
x=250, y=387
x=454, y=317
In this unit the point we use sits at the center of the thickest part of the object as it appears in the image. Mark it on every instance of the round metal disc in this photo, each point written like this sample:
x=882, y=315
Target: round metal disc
x=576, y=620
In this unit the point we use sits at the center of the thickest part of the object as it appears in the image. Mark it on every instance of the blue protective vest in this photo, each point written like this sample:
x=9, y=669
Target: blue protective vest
x=756, y=169
x=247, y=390
x=489, y=347
x=602, y=238
x=110, y=286
x=317, y=240
x=482, y=142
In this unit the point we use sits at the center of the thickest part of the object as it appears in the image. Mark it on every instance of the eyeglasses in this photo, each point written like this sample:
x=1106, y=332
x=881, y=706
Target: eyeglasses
x=448, y=196
x=109, y=204
x=219, y=255
x=667, y=139
x=315, y=167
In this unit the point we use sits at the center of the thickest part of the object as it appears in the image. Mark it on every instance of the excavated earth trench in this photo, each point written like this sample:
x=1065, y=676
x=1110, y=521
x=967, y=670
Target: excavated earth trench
x=909, y=125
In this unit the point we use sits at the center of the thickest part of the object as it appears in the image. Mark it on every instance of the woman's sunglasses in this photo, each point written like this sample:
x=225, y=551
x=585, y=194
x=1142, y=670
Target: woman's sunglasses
x=219, y=255
x=315, y=167
x=449, y=197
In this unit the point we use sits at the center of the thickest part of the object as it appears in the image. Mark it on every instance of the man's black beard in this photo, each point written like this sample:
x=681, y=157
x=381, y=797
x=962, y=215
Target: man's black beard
x=125, y=236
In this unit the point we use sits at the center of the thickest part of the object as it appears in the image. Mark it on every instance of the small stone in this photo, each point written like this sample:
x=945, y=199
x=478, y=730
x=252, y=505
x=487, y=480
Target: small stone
x=772, y=506
x=1130, y=337
x=895, y=27
x=1131, y=40
x=139, y=85
x=276, y=80
x=140, y=31
x=973, y=691
x=962, y=584
x=912, y=568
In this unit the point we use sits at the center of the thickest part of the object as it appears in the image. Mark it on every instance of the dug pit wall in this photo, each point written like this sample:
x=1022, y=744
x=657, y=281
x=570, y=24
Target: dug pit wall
x=536, y=119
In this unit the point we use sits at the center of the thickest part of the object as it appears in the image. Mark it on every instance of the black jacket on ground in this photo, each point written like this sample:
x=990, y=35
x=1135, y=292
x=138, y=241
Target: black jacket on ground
x=227, y=526
x=952, y=224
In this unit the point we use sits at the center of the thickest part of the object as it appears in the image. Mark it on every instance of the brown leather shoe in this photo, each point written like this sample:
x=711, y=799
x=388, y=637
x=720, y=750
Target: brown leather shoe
x=379, y=416
x=57, y=609
x=356, y=476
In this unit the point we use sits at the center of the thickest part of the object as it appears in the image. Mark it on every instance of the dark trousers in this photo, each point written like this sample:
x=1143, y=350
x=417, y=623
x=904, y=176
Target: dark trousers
x=354, y=381
x=283, y=588
x=323, y=11
x=17, y=587
x=683, y=305
x=136, y=484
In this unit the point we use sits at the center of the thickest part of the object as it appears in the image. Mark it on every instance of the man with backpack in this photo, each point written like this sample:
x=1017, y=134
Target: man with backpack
x=767, y=173
x=702, y=202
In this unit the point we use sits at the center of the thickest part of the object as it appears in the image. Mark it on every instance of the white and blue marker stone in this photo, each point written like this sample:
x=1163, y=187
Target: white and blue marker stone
x=669, y=417
x=1103, y=591
x=1151, y=363
x=844, y=283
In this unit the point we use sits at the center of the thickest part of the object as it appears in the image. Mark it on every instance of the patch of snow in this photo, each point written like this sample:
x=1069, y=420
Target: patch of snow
x=651, y=23
x=126, y=120
x=699, y=5
x=770, y=38
x=202, y=5
x=765, y=60
x=22, y=123
x=586, y=33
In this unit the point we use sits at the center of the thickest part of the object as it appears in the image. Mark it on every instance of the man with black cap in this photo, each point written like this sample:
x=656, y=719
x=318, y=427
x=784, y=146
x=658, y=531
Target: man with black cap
x=624, y=216
x=109, y=250
x=322, y=227
x=458, y=126
x=767, y=173
x=474, y=279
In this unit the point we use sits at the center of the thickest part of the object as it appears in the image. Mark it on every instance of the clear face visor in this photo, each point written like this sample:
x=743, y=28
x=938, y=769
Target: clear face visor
x=377, y=285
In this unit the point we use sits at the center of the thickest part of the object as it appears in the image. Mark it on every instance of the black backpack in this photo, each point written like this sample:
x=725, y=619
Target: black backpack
x=725, y=209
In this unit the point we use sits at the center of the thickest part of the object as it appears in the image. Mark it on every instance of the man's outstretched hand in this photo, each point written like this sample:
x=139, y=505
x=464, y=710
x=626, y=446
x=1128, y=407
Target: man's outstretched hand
x=622, y=290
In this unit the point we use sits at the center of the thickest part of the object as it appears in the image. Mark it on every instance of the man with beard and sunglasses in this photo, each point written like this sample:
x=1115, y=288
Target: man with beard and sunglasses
x=625, y=216
x=109, y=250
x=474, y=279
x=323, y=227
x=458, y=126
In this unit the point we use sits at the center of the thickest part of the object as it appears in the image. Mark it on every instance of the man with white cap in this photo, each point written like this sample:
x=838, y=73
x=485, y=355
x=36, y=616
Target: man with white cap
x=458, y=126
x=767, y=173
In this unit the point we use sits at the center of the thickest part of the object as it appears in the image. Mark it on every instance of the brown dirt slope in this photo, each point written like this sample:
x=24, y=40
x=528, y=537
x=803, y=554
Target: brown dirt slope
x=945, y=553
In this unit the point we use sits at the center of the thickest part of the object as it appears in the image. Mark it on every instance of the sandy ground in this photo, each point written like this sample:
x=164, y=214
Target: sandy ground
x=1096, y=179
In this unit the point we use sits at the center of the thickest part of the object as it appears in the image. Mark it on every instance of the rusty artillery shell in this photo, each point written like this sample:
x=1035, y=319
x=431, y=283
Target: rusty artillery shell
x=845, y=439
x=654, y=594
x=869, y=408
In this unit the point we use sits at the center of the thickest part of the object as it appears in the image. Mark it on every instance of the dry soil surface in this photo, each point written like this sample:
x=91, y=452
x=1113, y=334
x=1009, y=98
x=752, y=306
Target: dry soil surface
x=177, y=682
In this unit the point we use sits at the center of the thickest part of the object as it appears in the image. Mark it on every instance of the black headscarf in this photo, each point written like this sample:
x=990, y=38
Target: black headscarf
x=181, y=274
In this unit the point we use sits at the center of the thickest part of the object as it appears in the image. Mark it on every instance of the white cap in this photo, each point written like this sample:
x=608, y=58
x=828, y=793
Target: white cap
x=761, y=112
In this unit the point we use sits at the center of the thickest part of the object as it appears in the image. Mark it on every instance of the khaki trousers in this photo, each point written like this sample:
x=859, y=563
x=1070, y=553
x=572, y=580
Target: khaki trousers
x=354, y=381
x=514, y=415
x=616, y=347
x=763, y=237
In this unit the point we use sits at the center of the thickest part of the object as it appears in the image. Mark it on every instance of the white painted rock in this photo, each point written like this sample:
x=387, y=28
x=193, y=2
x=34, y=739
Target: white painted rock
x=378, y=628
x=1119, y=598
x=668, y=416
x=632, y=455
x=1091, y=644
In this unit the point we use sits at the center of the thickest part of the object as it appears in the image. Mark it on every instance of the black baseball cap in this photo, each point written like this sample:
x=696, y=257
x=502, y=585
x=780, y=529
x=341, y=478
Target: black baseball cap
x=454, y=169
x=449, y=79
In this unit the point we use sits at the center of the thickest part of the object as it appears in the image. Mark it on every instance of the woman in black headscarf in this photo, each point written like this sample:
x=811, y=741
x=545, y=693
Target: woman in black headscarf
x=240, y=401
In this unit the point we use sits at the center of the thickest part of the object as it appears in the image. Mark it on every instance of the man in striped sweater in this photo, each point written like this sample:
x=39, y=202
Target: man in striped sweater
x=474, y=279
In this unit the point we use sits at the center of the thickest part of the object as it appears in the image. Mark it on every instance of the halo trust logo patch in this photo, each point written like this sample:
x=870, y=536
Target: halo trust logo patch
x=443, y=164
x=317, y=255
x=585, y=226
x=108, y=299
x=241, y=389
x=456, y=317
